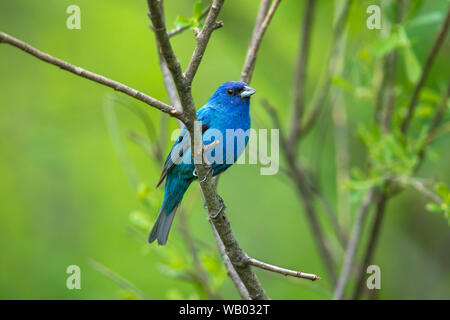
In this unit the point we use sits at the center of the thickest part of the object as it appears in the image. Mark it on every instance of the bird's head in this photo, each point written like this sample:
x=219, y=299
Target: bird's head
x=232, y=94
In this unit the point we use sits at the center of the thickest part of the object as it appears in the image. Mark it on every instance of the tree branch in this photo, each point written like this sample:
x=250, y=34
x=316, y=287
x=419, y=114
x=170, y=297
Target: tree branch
x=183, y=85
x=352, y=246
x=299, y=79
x=426, y=69
x=382, y=201
x=202, y=40
x=200, y=273
x=5, y=38
x=258, y=33
x=179, y=30
x=337, y=35
x=240, y=286
x=287, y=272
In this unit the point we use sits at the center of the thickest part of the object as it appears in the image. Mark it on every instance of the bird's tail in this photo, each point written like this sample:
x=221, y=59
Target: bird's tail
x=173, y=194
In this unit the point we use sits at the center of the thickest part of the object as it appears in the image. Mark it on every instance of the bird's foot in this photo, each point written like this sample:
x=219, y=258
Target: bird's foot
x=210, y=171
x=222, y=207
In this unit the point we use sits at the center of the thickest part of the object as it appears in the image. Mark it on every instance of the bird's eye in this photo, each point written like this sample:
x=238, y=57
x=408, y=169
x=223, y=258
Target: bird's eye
x=230, y=91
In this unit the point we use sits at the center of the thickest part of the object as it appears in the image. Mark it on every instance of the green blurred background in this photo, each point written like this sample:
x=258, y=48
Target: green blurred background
x=65, y=198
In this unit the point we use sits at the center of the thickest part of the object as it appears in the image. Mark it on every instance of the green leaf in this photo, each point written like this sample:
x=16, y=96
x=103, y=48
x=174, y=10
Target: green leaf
x=140, y=220
x=183, y=21
x=383, y=46
x=412, y=65
x=197, y=10
x=442, y=190
x=433, y=207
x=432, y=17
x=143, y=190
x=414, y=8
x=428, y=95
x=424, y=111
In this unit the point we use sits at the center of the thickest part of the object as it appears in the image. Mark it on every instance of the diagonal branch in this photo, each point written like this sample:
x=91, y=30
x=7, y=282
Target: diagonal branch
x=353, y=245
x=5, y=38
x=179, y=30
x=299, y=80
x=338, y=32
x=202, y=40
x=287, y=272
x=183, y=85
x=426, y=69
x=258, y=33
x=382, y=201
x=240, y=286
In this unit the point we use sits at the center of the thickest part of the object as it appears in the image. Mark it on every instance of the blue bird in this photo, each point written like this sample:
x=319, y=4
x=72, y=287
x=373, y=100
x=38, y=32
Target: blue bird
x=227, y=109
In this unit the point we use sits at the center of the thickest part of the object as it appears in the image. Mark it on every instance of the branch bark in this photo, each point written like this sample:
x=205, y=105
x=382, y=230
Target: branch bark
x=353, y=246
x=202, y=41
x=5, y=38
x=299, y=79
x=183, y=85
x=425, y=71
x=258, y=33
x=337, y=36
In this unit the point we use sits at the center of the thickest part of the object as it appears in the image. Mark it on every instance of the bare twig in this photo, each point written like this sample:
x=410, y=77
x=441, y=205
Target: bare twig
x=121, y=282
x=202, y=40
x=425, y=71
x=5, y=38
x=306, y=194
x=287, y=272
x=353, y=245
x=337, y=35
x=299, y=79
x=243, y=292
x=380, y=209
x=258, y=33
x=200, y=273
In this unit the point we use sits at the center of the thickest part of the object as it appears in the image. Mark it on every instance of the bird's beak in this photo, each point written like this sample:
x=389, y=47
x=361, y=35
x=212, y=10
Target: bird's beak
x=247, y=92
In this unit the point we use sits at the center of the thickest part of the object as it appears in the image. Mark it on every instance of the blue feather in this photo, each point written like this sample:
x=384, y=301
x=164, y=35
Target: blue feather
x=228, y=108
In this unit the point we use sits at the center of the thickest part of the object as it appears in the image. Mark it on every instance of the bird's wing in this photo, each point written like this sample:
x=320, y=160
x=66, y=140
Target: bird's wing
x=203, y=115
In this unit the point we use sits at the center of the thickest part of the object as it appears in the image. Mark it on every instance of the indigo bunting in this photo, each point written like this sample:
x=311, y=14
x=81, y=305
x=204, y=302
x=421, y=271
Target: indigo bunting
x=227, y=109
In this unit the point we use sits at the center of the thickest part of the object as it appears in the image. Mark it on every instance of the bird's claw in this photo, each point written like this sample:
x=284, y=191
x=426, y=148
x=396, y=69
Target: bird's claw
x=210, y=170
x=222, y=207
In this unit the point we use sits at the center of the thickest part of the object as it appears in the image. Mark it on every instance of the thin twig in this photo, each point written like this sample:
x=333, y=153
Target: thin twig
x=5, y=38
x=338, y=32
x=306, y=194
x=425, y=71
x=121, y=282
x=200, y=272
x=382, y=201
x=243, y=292
x=179, y=30
x=287, y=272
x=258, y=33
x=300, y=73
x=380, y=209
x=202, y=40
x=352, y=246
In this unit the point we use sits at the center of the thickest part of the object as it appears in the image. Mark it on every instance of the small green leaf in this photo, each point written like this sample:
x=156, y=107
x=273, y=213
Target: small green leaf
x=424, y=111
x=197, y=10
x=412, y=65
x=383, y=46
x=140, y=220
x=442, y=190
x=432, y=17
x=143, y=190
x=433, y=207
x=182, y=22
